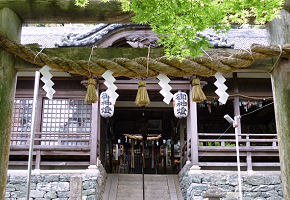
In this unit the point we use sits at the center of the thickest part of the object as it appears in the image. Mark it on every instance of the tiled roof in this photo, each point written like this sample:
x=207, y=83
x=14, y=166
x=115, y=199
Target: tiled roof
x=51, y=37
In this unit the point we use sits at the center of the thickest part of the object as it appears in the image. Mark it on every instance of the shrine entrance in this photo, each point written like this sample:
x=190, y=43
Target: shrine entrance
x=161, y=149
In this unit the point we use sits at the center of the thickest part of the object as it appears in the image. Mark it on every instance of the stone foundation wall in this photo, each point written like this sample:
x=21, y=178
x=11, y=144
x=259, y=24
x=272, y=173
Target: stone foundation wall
x=255, y=185
x=56, y=185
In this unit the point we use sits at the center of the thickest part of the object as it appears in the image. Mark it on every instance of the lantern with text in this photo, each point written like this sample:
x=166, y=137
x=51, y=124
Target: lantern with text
x=106, y=105
x=180, y=104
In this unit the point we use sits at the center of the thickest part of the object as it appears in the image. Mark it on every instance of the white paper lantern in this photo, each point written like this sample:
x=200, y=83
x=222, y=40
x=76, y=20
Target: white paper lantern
x=180, y=104
x=106, y=105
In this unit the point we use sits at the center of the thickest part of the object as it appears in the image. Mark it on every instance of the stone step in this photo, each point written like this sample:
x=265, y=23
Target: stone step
x=147, y=187
x=132, y=177
x=157, y=187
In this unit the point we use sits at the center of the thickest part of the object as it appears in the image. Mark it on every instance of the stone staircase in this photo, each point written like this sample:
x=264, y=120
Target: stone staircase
x=129, y=187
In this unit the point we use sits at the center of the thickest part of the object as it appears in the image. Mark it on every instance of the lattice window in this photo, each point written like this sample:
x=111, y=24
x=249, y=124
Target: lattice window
x=66, y=122
x=21, y=122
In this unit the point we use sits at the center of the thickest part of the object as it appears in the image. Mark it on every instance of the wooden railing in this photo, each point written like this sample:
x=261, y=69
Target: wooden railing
x=256, y=150
x=51, y=146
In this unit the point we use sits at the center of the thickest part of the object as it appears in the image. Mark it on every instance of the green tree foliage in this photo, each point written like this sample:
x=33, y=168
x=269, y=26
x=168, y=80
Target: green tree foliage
x=179, y=22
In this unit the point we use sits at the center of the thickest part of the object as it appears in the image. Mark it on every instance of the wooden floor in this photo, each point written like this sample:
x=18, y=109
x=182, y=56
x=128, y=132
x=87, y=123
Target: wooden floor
x=129, y=187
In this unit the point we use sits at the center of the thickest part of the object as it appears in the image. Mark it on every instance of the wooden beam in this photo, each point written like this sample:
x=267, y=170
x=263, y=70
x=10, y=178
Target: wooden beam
x=10, y=25
x=65, y=11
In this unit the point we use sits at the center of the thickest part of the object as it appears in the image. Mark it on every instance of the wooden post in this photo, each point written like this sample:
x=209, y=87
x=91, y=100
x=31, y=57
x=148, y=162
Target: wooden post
x=95, y=132
x=192, y=133
x=237, y=101
x=279, y=30
x=181, y=131
x=38, y=129
x=10, y=26
x=249, y=154
x=281, y=92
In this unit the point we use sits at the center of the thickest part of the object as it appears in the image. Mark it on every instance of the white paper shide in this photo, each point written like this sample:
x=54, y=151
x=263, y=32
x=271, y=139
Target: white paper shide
x=221, y=88
x=180, y=104
x=165, y=91
x=109, y=82
x=46, y=79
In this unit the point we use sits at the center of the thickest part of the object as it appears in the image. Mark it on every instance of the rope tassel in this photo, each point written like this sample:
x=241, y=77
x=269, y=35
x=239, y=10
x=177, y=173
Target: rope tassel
x=142, y=98
x=197, y=93
x=91, y=96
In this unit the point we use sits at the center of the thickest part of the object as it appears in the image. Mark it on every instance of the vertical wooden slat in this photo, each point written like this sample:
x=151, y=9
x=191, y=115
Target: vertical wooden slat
x=249, y=154
x=38, y=159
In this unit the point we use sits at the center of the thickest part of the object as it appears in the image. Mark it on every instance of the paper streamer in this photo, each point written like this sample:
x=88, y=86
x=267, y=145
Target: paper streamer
x=46, y=79
x=221, y=88
x=109, y=82
x=165, y=91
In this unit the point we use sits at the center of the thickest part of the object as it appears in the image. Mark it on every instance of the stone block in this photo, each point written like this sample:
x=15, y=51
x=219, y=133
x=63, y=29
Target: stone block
x=255, y=180
x=10, y=189
x=50, y=195
x=15, y=179
x=37, y=193
x=20, y=187
x=64, y=177
x=233, y=180
x=43, y=186
x=60, y=186
x=89, y=185
x=263, y=188
x=51, y=178
x=272, y=180
x=89, y=192
x=62, y=194
x=76, y=187
x=92, y=197
x=252, y=194
x=18, y=194
x=259, y=198
x=247, y=188
x=196, y=186
x=195, y=179
x=227, y=188
x=7, y=194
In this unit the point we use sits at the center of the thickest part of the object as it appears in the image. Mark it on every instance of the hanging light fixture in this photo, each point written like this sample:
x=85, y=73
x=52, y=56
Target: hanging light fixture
x=106, y=104
x=180, y=104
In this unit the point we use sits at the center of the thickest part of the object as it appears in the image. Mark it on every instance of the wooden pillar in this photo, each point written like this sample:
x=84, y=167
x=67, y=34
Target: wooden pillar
x=281, y=92
x=181, y=131
x=95, y=132
x=279, y=30
x=192, y=134
x=237, y=101
x=10, y=26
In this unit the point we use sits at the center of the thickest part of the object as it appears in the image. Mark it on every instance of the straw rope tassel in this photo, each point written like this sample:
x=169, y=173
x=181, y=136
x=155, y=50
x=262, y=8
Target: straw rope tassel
x=197, y=93
x=142, y=98
x=91, y=96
